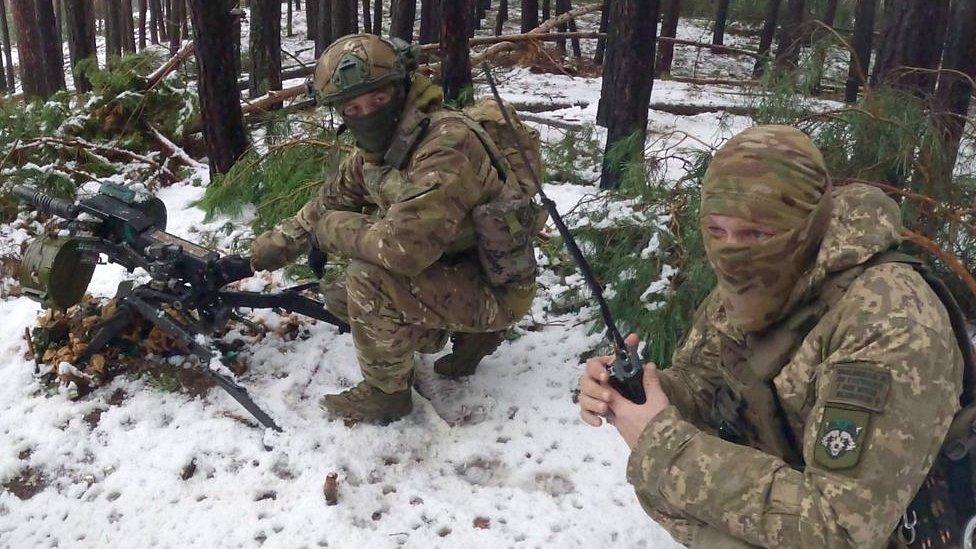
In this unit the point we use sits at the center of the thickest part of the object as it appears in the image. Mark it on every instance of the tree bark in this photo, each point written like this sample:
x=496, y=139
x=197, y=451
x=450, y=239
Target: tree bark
x=265, y=46
x=501, y=17
x=323, y=32
x=29, y=53
x=368, y=16
x=861, y=46
x=113, y=28
x=402, y=15
x=7, y=50
x=176, y=15
x=912, y=36
x=290, y=18
x=530, y=15
x=341, y=19
x=790, y=36
x=546, y=10
x=311, y=16
x=601, y=43
x=766, y=37
x=455, y=68
x=669, y=29
x=721, y=18
x=156, y=21
x=353, y=16
x=80, y=19
x=142, y=24
x=51, y=46
x=430, y=22
x=128, y=28
x=628, y=78
x=220, y=100
x=378, y=17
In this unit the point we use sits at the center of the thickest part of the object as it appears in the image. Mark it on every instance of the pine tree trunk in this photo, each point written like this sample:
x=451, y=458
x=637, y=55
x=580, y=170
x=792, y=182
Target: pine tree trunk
x=912, y=36
x=340, y=19
x=402, y=15
x=323, y=32
x=143, y=7
x=501, y=16
x=546, y=10
x=669, y=28
x=113, y=28
x=128, y=26
x=766, y=37
x=378, y=17
x=265, y=46
x=311, y=16
x=176, y=16
x=628, y=78
x=290, y=18
x=601, y=43
x=368, y=17
x=59, y=22
x=430, y=23
x=7, y=50
x=237, y=31
x=790, y=36
x=530, y=15
x=156, y=21
x=721, y=18
x=562, y=6
x=954, y=93
x=80, y=19
x=353, y=7
x=220, y=99
x=861, y=46
x=455, y=68
x=29, y=52
x=51, y=46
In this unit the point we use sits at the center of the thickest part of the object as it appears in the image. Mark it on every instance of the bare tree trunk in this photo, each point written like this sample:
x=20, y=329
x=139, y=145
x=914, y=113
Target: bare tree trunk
x=530, y=15
x=220, y=100
x=669, y=29
x=128, y=28
x=323, y=33
x=353, y=11
x=237, y=23
x=156, y=21
x=819, y=36
x=455, y=68
x=721, y=18
x=80, y=19
x=501, y=16
x=311, y=17
x=368, y=17
x=7, y=50
x=790, y=36
x=59, y=22
x=601, y=43
x=546, y=10
x=402, y=15
x=861, y=46
x=29, y=52
x=176, y=16
x=766, y=37
x=265, y=46
x=341, y=19
x=912, y=36
x=143, y=7
x=51, y=47
x=378, y=17
x=430, y=21
x=628, y=78
x=113, y=28
x=290, y=18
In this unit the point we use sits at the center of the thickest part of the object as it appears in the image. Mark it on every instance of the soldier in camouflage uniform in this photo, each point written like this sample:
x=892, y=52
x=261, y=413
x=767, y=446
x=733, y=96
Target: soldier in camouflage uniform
x=401, y=211
x=808, y=401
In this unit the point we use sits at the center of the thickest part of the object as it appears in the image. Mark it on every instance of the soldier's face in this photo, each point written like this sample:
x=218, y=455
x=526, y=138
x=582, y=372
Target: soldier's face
x=736, y=230
x=367, y=103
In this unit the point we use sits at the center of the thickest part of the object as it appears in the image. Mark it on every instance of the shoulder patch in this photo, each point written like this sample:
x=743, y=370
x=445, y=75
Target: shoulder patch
x=841, y=437
x=860, y=385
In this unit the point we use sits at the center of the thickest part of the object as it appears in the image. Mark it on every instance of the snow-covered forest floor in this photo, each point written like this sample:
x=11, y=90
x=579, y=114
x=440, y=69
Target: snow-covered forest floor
x=135, y=466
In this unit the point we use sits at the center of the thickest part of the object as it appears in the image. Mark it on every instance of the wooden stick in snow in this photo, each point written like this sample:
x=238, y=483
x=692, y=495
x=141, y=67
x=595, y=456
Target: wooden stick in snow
x=157, y=76
x=176, y=151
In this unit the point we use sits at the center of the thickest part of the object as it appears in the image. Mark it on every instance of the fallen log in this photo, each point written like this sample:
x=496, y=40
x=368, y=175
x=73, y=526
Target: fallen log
x=157, y=76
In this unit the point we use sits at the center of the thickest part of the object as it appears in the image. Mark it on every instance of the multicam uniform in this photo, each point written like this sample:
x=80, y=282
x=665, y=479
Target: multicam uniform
x=414, y=274
x=838, y=399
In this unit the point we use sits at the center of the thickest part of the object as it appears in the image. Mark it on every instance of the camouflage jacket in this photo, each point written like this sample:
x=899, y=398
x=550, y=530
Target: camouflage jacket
x=864, y=454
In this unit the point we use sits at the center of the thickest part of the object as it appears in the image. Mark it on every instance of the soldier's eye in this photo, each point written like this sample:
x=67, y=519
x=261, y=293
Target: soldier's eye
x=716, y=232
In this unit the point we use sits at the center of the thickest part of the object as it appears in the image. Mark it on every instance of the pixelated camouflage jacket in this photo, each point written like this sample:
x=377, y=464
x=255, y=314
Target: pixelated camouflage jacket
x=853, y=487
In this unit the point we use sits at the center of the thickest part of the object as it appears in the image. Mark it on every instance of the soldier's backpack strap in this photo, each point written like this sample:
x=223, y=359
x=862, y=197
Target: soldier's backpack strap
x=410, y=131
x=498, y=160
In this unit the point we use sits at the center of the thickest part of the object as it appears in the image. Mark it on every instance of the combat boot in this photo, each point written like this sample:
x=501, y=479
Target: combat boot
x=467, y=352
x=368, y=404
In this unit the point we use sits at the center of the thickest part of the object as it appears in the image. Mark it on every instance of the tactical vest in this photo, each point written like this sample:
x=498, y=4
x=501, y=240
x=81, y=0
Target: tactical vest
x=747, y=410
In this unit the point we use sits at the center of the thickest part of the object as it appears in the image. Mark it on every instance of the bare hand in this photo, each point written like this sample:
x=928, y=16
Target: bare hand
x=599, y=401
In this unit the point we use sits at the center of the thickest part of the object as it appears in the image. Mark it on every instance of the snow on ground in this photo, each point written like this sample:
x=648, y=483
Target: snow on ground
x=108, y=468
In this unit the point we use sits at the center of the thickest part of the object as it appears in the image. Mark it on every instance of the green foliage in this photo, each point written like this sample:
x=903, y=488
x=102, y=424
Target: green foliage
x=277, y=183
x=578, y=151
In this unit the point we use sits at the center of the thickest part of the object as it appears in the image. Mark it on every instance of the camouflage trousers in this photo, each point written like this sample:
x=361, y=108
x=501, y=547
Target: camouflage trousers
x=394, y=316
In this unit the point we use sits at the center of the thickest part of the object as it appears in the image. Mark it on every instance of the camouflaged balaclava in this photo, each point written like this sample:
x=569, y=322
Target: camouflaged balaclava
x=776, y=176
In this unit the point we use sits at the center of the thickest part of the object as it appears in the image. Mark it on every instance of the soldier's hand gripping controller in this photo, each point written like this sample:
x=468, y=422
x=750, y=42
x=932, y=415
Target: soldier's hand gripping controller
x=627, y=375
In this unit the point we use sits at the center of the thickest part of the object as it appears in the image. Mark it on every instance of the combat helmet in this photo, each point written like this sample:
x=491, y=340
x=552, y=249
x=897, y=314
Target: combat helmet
x=358, y=64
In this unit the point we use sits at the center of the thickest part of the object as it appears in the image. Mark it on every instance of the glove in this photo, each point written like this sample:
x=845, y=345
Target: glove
x=232, y=268
x=316, y=256
x=270, y=251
